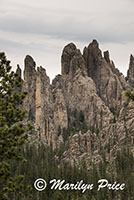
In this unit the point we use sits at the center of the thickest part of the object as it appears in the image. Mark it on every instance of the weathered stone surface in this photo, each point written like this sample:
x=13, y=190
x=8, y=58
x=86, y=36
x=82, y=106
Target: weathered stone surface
x=44, y=106
x=77, y=63
x=39, y=101
x=80, y=94
x=93, y=57
x=29, y=69
x=30, y=86
x=72, y=60
x=18, y=70
x=106, y=56
x=119, y=133
x=130, y=73
x=60, y=111
x=104, y=74
x=84, y=95
x=79, y=147
x=120, y=76
x=68, y=53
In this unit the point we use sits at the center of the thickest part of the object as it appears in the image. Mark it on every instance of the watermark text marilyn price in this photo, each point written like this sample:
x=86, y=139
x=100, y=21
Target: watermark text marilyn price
x=40, y=185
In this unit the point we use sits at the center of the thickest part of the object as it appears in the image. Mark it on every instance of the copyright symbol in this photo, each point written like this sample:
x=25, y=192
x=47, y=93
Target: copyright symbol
x=40, y=184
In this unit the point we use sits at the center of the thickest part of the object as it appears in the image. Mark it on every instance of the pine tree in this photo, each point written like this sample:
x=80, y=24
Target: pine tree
x=12, y=129
x=129, y=94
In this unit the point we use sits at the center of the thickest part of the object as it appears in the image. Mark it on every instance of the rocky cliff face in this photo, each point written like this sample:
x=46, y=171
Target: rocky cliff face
x=130, y=73
x=30, y=86
x=39, y=101
x=72, y=60
x=84, y=104
x=109, y=82
x=44, y=105
x=81, y=146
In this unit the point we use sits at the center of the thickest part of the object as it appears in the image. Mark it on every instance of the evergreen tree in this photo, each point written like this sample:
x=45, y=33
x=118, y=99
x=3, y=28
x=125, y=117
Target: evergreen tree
x=129, y=94
x=12, y=129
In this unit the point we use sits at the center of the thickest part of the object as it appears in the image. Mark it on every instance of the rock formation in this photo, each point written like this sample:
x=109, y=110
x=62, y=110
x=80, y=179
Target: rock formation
x=81, y=146
x=130, y=73
x=72, y=60
x=104, y=74
x=68, y=53
x=30, y=86
x=86, y=100
x=44, y=105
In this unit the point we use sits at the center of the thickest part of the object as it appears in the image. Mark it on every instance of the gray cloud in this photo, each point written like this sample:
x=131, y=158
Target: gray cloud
x=42, y=27
x=71, y=29
x=109, y=23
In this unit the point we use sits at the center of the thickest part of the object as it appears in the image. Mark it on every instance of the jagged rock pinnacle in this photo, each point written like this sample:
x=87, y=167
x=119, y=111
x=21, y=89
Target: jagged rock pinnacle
x=106, y=56
x=29, y=67
x=72, y=60
x=130, y=73
x=68, y=53
x=18, y=70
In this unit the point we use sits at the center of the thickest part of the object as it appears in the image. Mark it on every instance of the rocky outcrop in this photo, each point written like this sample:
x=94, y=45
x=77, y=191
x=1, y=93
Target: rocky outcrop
x=44, y=106
x=72, y=60
x=60, y=111
x=19, y=71
x=30, y=86
x=80, y=146
x=93, y=57
x=67, y=55
x=80, y=94
x=39, y=101
x=103, y=72
x=130, y=73
x=118, y=134
x=94, y=147
x=86, y=99
x=107, y=57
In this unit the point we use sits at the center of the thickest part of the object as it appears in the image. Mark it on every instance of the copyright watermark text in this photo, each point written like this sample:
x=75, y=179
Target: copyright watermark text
x=40, y=185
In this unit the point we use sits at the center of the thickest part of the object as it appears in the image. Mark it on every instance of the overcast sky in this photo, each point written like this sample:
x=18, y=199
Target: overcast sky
x=41, y=28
